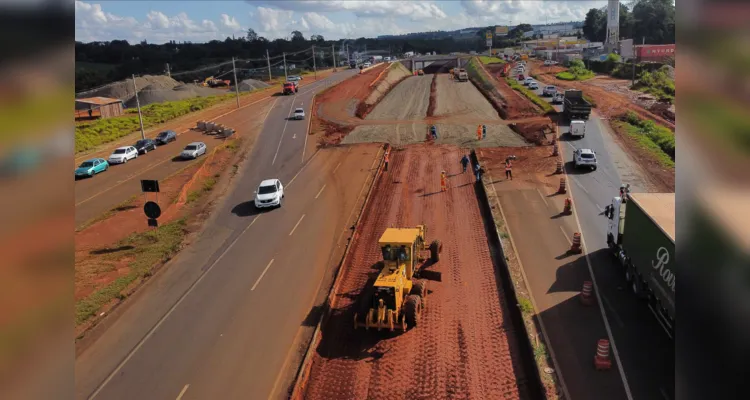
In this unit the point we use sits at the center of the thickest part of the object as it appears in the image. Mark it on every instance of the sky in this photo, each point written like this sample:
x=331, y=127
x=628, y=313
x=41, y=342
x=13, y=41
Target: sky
x=202, y=21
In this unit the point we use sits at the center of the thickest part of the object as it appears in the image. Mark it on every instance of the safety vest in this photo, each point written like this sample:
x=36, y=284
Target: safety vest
x=387, y=156
x=508, y=166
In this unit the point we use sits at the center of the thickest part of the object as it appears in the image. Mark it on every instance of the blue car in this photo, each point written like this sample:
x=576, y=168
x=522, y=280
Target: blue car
x=91, y=167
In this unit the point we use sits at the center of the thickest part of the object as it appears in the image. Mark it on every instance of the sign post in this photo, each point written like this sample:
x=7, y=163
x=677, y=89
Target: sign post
x=488, y=36
x=151, y=208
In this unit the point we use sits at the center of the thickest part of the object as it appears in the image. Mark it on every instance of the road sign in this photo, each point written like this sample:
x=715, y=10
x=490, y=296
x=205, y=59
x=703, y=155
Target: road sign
x=488, y=35
x=149, y=186
x=489, y=42
x=152, y=210
x=152, y=222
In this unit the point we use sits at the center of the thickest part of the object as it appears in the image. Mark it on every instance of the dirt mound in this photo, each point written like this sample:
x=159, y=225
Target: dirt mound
x=433, y=97
x=464, y=345
x=252, y=84
x=510, y=103
x=123, y=90
x=339, y=103
x=534, y=132
x=154, y=94
x=381, y=86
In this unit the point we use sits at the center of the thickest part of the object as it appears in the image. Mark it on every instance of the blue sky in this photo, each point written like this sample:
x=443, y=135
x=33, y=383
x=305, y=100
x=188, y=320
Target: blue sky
x=200, y=21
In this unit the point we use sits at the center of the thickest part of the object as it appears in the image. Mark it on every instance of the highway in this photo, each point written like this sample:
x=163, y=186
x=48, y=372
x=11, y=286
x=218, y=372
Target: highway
x=221, y=319
x=645, y=350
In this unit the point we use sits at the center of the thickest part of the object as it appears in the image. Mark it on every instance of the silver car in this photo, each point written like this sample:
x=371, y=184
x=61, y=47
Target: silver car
x=193, y=150
x=549, y=91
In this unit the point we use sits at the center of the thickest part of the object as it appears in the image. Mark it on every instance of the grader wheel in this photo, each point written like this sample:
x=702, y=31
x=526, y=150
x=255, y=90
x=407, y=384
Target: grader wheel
x=413, y=310
x=420, y=289
x=435, y=248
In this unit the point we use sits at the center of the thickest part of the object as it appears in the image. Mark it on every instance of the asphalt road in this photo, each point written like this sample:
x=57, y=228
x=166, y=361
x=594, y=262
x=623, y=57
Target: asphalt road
x=219, y=322
x=646, y=352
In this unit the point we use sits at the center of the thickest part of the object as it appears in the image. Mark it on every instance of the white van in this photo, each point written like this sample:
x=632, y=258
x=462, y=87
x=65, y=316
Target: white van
x=577, y=128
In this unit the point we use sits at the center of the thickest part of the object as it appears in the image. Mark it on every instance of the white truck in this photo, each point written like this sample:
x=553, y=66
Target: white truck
x=577, y=129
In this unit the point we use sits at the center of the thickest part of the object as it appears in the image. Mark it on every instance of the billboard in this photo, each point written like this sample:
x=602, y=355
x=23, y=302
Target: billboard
x=501, y=30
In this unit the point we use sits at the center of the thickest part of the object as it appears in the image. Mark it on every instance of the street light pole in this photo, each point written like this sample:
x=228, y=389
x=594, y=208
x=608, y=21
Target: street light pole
x=286, y=78
x=138, y=104
x=268, y=59
x=315, y=68
x=236, y=84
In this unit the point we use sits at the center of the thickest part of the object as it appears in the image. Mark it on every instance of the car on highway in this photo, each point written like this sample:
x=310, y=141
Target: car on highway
x=558, y=98
x=521, y=77
x=193, y=150
x=584, y=158
x=91, y=167
x=367, y=65
x=299, y=113
x=549, y=91
x=121, y=155
x=270, y=193
x=528, y=80
x=577, y=128
x=294, y=78
x=165, y=137
x=533, y=85
x=144, y=145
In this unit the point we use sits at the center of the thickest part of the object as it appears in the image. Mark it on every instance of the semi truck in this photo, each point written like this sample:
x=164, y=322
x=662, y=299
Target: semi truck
x=376, y=59
x=575, y=106
x=640, y=234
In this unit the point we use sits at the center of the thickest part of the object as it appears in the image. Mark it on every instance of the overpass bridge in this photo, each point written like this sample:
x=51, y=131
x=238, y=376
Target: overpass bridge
x=436, y=63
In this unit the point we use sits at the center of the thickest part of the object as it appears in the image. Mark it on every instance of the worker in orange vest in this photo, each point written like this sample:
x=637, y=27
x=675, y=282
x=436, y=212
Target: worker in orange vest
x=479, y=132
x=443, y=182
x=508, y=169
x=387, y=158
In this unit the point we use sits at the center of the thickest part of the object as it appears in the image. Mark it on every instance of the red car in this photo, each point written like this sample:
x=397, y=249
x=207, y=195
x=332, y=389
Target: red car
x=521, y=77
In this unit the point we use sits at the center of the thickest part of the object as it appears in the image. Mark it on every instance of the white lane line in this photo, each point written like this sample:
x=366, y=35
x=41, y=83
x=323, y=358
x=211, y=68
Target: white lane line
x=281, y=139
x=337, y=167
x=564, y=234
x=301, y=169
x=309, y=123
x=542, y=196
x=168, y=313
x=614, y=313
x=182, y=392
x=581, y=186
x=261, y=275
x=297, y=224
x=321, y=191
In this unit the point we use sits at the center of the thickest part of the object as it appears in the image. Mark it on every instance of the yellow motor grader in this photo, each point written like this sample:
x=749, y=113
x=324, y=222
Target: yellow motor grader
x=395, y=299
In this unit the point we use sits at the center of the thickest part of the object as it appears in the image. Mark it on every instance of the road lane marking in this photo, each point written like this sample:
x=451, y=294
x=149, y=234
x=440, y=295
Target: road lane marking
x=281, y=139
x=321, y=191
x=542, y=196
x=168, y=313
x=182, y=392
x=262, y=274
x=337, y=167
x=564, y=234
x=301, y=169
x=297, y=224
x=614, y=313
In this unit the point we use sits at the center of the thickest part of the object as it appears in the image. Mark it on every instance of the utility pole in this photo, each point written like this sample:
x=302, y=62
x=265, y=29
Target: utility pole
x=286, y=78
x=333, y=53
x=315, y=68
x=138, y=104
x=268, y=59
x=236, y=83
x=169, y=74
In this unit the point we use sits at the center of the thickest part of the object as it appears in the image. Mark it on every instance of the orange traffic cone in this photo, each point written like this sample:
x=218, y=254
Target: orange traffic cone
x=575, y=247
x=562, y=189
x=586, y=293
x=601, y=359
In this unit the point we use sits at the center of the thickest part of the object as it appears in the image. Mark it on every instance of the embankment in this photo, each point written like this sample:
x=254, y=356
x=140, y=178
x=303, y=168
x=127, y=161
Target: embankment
x=383, y=84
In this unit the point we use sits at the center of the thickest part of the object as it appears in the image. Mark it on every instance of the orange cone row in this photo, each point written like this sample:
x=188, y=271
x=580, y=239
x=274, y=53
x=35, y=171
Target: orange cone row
x=601, y=359
x=586, y=293
x=575, y=247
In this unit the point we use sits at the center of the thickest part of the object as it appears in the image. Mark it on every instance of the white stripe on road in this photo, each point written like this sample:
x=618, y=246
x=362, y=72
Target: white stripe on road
x=182, y=392
x=337, y=167
x=261, y=275
x=321, y=191
x=614, y=313
x=542, y=196
x=297, y=224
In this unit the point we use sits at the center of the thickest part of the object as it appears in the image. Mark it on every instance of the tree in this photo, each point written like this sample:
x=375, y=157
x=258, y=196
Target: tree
x=626, y=22
x=251, y=35
x=297, y=36
x=654, y=20
x=595, y=25
x=317, y=38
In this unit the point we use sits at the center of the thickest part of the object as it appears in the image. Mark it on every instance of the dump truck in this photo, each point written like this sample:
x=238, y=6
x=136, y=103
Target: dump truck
x=395, y=299
x=640, y=234
x=290, y=88
x=575, y=106
x=462, y=75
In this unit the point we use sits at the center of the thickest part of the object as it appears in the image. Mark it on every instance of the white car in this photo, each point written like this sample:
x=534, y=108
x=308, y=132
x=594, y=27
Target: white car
x=366, y=65
x=193, y=150
x=269, y=194
x=528, y=80
x=299, y=113
x=533, y=85
x=584, y=158
x=557, y=98
x=121, y=155
x=549, y=91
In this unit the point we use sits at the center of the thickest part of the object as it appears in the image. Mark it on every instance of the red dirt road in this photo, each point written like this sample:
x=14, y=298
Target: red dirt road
x=339, y=104
x=465, y=345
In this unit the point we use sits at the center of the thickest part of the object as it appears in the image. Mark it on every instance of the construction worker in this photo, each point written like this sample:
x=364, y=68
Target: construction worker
x=465, y=162
x=479, y=132
x=443, y=182
x=484, y=131
x=508, y=169
x=477, y=169
x=387, y=158
x=433, y=132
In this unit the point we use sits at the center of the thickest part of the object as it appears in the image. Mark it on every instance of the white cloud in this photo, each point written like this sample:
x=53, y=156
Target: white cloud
x=414, y=10
x=230, y=23
x=515, y=12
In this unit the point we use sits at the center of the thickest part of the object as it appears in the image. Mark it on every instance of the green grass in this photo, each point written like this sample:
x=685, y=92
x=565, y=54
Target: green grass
x=569, y=76
x=525, y=305
x=148, y=249
x=208, y=185
x=491, y=60
x=545, y=106
x=657, y=140
x=657, y=83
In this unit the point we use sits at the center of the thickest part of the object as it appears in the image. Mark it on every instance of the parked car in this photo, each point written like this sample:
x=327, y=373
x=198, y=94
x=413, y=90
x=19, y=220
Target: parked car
x=144, y=145
x=299, y=113
x=121, y=155
x=91, y=167
x=521, y=77
x=528, y=80
x=585, y=158
x=549, y=91
x=270, y=193
x=193, y=150
x=166, y=137
x=533, y=85
x=558, y=98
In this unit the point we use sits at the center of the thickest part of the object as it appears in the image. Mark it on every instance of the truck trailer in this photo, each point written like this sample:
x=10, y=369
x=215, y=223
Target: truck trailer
x=640, y=234
x=575, y=106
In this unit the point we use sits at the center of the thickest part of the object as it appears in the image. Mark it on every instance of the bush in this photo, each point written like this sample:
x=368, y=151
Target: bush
x=566, y=76
x=657, y=83
x=659, y=135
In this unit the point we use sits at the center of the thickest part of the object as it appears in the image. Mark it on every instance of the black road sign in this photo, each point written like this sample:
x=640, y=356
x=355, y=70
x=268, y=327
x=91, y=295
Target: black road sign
x=152, y=210
x=149, y=186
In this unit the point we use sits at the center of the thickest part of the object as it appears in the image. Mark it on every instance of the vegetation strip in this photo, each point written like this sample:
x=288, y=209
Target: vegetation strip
x=545, y=106
x=658, y=140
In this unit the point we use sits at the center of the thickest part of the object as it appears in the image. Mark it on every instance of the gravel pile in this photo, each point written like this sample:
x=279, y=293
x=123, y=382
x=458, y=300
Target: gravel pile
x=154, y=94
x=252, y=84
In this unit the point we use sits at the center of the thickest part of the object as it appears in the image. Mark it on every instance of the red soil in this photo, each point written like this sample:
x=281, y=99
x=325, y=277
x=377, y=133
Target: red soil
x=516, y=105
x=340, y=102
x=433, y=97
x=465, y=345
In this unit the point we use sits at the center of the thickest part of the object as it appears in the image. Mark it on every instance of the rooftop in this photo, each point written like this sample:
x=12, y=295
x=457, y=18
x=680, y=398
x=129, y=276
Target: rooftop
x=100, y=101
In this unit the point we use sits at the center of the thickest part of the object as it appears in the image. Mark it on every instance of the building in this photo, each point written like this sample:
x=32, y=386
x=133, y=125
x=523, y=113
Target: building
x=654, y=52
x=98, y=107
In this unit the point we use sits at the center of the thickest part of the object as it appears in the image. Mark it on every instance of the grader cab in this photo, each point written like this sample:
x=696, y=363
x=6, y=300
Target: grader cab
x=396, y=299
